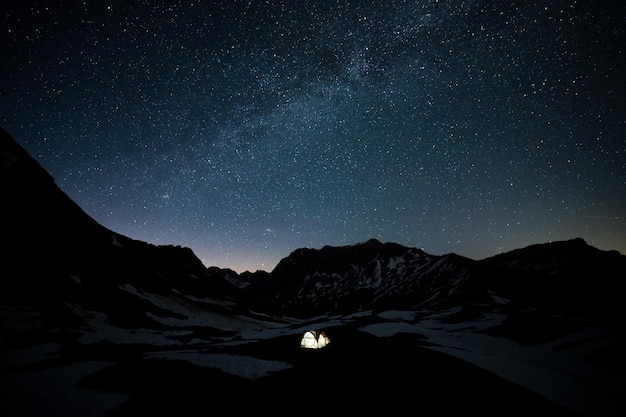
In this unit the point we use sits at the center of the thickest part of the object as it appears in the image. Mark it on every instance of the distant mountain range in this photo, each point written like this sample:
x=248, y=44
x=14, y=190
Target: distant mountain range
x=50, y=244
x=65, y=278
x=569, y=276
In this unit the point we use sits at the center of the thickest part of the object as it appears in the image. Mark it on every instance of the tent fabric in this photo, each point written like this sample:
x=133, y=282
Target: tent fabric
x=313, y=339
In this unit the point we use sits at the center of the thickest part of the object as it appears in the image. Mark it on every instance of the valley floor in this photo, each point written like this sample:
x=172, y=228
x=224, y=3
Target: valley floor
x=387, y=363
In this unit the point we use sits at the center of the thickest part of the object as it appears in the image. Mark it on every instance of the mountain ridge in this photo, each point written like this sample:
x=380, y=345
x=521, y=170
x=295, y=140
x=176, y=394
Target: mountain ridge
x=307, y=281
x=328, y=277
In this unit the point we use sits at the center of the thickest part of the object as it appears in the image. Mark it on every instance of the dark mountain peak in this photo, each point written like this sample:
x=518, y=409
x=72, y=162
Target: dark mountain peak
x=365, y=275
x=49, y=242
x=567, y=275
x=337, y=258
x=572, y=250
x=371, y=243
x=12, y=154
x=39, y=219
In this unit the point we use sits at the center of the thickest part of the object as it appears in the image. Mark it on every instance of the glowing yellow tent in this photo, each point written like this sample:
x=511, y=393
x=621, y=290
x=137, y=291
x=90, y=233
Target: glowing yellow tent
x=314, y=339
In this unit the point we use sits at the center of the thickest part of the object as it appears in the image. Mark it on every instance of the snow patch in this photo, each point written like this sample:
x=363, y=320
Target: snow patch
x=244, y=366
x=552, y=373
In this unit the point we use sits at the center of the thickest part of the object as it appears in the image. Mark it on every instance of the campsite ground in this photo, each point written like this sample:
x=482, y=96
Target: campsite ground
x=389, y=361
x=357, y=372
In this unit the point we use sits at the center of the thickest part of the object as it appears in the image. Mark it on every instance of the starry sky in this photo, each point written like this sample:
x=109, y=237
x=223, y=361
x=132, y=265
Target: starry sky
x=247, y=129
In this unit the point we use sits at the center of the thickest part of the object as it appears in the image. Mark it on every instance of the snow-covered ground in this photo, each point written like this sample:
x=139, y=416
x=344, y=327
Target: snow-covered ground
x=42, y=387
x=560, y=375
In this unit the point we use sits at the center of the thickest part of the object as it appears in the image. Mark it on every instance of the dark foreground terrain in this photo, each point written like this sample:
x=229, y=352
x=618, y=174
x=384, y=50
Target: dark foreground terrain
x=356, y=373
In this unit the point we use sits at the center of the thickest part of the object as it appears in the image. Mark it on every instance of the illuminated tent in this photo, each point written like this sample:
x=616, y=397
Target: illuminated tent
x=314, y=339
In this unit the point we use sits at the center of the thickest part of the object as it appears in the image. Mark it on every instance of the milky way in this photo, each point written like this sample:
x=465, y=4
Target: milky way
x=247, y=129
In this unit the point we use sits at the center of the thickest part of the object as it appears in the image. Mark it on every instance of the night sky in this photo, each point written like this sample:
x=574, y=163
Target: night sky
x=247, y=129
